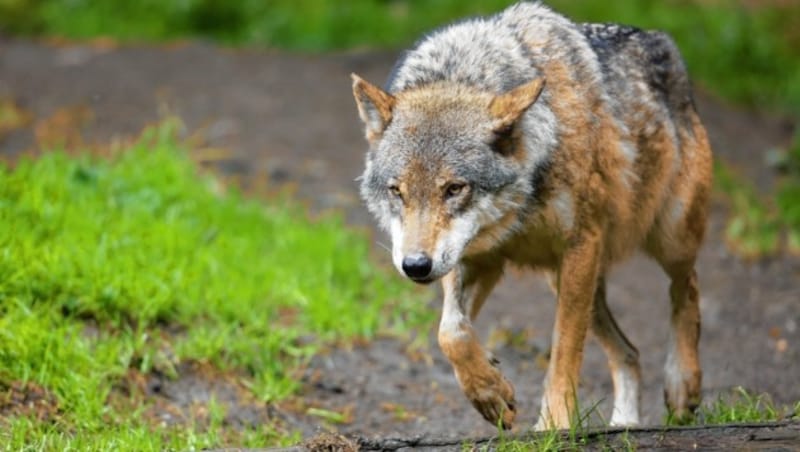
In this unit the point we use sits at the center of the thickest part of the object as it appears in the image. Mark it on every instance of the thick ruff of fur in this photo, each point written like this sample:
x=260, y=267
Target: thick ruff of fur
x=526, y=139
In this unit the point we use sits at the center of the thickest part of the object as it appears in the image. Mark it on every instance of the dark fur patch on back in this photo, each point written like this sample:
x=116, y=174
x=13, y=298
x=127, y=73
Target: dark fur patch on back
x=607, y=40
x=653, y=52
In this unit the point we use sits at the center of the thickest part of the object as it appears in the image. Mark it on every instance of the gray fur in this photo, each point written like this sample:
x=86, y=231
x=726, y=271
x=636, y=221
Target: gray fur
x=625, y=67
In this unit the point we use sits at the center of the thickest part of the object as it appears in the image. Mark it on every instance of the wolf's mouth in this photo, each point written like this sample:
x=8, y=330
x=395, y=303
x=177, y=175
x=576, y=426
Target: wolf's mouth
x=423, y=281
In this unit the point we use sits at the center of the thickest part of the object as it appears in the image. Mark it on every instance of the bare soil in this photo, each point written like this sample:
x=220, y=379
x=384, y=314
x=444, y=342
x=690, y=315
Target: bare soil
x=290, y=119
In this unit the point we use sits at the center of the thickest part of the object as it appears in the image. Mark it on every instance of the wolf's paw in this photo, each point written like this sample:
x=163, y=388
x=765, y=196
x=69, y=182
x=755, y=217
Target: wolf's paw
x=681, y=406
x=552, y=416
x=682, y=396
x=492, y=395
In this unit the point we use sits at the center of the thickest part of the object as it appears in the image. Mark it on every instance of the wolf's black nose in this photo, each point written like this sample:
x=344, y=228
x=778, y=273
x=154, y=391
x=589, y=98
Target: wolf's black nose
x=417, y=266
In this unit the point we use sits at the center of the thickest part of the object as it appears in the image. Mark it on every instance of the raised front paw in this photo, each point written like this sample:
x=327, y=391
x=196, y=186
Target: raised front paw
x=490, y=393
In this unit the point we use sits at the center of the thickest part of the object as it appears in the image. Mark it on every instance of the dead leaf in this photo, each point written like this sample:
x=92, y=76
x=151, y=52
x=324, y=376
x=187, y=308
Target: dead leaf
x=63, y=128
x=12, y=116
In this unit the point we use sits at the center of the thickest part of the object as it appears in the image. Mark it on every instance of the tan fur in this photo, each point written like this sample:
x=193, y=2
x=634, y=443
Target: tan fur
x=508, y=107
x=383, y=101
x=480, y=380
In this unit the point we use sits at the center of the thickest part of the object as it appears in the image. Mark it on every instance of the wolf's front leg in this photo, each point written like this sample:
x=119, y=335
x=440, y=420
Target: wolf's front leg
x=483, y=384
x=576, y=286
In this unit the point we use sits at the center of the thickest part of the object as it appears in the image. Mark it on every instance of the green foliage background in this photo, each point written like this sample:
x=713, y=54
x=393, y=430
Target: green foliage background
x=748, y=54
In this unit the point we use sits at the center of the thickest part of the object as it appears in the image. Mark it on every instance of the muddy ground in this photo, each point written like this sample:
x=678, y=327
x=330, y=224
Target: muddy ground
x=290, y=119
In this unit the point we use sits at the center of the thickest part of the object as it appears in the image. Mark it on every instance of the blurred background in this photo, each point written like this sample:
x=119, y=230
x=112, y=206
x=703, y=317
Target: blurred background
x=745, y=50
x=185, y=261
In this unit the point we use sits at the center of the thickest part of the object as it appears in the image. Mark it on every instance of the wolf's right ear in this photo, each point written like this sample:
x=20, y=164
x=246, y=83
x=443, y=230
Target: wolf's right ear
x=508, y=107
x=374, y=106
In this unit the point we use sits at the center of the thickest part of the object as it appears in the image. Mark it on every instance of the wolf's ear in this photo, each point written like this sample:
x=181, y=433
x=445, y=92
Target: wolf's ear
x=508, y=107
x=374, y=106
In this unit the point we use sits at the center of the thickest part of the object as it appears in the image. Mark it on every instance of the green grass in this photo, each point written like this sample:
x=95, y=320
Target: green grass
x=140, y=262
x=747, y=55
x=753, y=228
x=760, y=226
x=788, y=195
x=740, y=406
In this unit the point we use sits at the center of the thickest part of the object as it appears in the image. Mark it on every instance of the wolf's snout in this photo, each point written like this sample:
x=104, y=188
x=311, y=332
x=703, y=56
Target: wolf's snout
x=417, y=266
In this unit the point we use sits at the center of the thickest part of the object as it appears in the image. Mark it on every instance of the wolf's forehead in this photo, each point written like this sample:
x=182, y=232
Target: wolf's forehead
x=440, y=131
x=397, y=159
x=435, y=106
x=428, y=152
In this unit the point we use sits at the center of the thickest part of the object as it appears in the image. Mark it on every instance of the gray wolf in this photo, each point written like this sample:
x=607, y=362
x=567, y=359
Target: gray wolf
x=526, y=139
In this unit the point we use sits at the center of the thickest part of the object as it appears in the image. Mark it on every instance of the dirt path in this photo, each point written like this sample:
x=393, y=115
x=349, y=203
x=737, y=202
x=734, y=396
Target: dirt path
x=291, y=119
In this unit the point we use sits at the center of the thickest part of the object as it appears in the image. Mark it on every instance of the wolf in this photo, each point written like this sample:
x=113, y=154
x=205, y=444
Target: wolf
x=525, y=139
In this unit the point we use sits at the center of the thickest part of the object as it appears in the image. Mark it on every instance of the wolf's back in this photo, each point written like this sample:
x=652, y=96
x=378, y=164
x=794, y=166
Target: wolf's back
x=640, y=65
x=502, y=51
x=494, y=53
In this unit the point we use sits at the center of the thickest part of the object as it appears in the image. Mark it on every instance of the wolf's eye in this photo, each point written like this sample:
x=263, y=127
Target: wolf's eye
x=394, y=190
x=454, y=189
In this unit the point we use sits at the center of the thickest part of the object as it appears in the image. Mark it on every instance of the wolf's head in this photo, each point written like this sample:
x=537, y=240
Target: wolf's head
x=444, y=172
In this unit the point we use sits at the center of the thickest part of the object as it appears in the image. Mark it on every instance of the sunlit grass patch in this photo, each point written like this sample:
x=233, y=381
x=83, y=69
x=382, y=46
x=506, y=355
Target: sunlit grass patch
x=140, y=262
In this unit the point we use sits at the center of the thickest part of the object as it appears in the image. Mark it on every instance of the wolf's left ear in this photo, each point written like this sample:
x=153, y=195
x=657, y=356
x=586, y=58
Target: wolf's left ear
x=509, y=106
x=374, y=106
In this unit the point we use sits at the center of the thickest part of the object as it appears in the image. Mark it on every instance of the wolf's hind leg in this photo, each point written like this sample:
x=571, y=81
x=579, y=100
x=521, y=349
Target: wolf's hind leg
x=675, y=248
x=682, y=368
x=674, y=243
x=477, y=373
x=623, y=359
